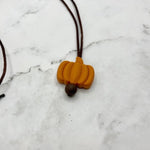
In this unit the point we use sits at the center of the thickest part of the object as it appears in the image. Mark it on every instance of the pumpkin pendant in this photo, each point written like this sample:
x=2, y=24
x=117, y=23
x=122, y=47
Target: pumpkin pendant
x=75, y=74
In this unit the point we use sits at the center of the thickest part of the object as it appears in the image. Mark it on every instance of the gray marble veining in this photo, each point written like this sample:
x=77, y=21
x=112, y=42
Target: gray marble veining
x=114, y=114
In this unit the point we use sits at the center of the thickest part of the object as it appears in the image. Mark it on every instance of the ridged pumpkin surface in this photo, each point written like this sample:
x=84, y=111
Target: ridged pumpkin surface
x=76, y=73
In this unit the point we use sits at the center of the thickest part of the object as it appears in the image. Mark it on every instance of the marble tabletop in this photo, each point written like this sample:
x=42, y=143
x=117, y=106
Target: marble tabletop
x=114, y=114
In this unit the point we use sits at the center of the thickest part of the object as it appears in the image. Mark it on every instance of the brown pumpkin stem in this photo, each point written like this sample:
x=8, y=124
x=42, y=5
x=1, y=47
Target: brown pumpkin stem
x=79, y=48
x=71, y=89
x=5, y=66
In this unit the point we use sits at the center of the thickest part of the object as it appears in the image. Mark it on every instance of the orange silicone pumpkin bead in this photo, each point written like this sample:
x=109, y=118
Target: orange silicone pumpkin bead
x=76, y=73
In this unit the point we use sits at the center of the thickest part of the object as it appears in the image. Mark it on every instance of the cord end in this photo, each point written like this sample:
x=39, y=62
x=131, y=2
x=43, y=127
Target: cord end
x=2, y=96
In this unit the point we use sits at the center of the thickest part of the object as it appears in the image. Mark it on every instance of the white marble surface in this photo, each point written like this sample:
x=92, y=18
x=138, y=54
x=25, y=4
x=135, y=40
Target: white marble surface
x=114, y=114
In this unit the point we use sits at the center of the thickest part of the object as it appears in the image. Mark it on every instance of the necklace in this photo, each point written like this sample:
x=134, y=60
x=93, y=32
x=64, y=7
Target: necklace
x=75, y=74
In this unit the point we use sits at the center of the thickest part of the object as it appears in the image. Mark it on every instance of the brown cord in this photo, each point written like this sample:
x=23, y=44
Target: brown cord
x=79, y=49
x=5, y=65
x=81, y=28
x=77, y=30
